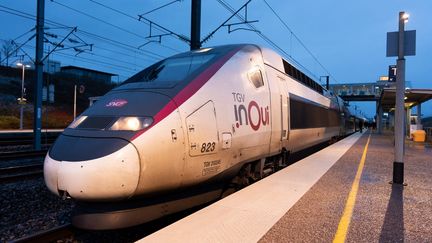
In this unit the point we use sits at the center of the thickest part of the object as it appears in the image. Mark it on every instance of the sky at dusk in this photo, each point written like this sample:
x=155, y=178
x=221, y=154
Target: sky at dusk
x=347, y=39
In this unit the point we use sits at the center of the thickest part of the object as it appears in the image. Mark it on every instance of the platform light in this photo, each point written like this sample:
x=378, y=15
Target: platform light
x=21, y=101
x=19, y=64
x=405, y=17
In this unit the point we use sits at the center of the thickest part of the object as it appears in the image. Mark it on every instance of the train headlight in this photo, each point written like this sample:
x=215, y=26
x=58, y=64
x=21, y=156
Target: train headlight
x=131, y=123
x=77, y=121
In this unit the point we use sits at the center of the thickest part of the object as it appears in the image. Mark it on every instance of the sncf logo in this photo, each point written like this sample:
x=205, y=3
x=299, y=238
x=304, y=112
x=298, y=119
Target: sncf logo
x=250, y=114
x=116, y=103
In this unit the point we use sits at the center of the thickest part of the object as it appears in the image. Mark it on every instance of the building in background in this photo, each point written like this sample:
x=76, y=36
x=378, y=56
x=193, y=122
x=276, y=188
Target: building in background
x=51, y=66
x=89, y=73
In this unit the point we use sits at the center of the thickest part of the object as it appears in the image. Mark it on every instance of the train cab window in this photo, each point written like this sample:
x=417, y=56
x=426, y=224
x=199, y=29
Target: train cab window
x=255, y=76
x=171, y=70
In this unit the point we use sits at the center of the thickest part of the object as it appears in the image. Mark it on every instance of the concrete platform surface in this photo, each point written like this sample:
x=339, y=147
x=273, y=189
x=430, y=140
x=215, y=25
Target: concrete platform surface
x=383, y=212
x=248, y=214
x=305, y=202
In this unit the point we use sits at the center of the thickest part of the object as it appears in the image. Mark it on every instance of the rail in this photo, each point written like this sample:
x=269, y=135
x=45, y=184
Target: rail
x=11, y=139
x=23, y=154
x=56, y=234
x=18, y=173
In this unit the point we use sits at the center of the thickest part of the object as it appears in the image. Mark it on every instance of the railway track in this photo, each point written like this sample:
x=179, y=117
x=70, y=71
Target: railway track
x=56, y=234
x=14, y=139
x=24, y=141
x=22, y=172
x=13, y=169
x=23, y=154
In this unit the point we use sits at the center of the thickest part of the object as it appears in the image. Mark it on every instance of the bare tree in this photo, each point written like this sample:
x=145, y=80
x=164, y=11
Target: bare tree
x=7, y=49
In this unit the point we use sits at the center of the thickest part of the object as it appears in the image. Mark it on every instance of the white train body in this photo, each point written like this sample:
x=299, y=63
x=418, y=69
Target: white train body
x=241, y=105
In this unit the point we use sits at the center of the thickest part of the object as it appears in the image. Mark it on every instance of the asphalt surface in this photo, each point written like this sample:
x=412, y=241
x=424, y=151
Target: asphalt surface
x=383, y=212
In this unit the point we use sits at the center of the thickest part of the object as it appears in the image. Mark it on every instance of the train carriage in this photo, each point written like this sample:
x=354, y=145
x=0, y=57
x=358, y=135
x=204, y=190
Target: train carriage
x=177, y=133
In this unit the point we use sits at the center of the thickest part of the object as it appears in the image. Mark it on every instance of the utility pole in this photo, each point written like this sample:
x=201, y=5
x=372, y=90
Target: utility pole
x=37, y=103
x=74, y=102
x=327, y=82
x=398, y=165
x=195, y=25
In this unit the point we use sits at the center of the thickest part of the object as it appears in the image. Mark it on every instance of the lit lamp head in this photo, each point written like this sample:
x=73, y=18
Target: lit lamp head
x=21, y=64
x=22, y=101
x=405, y=17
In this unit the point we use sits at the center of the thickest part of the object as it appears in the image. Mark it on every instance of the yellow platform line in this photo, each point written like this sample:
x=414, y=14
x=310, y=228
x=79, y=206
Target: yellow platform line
x=345, y=220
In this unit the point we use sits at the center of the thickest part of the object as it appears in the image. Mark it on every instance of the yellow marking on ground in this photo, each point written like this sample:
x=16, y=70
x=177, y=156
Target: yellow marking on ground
x=345, y=220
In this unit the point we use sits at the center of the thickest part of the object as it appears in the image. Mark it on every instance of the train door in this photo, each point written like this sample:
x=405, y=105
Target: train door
x=280, y=109
x=202, y=130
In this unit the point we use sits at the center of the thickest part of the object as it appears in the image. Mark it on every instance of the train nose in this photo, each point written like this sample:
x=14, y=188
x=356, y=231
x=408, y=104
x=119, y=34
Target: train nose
x=112, y=176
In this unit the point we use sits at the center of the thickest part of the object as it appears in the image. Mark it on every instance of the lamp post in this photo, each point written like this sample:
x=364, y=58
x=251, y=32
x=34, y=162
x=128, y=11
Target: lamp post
x=398, y=165
x=22, y=100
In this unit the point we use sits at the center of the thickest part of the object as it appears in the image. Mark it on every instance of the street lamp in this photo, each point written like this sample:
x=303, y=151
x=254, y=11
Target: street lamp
x=398, y=165
x=405, y=17
x=22, y=100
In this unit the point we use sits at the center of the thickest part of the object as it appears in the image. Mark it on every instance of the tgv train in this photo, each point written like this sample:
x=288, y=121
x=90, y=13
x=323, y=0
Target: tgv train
x=179, y=132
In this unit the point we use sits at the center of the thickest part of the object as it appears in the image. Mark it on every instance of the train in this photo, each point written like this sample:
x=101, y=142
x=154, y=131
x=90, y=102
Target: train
x=184, y=130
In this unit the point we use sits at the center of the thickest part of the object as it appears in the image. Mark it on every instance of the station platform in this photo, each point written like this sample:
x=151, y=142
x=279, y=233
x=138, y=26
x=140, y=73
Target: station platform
x=341, y=194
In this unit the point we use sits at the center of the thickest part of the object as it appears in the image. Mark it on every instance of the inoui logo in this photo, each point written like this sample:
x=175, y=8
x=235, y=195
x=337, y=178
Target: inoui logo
x=116, y=103
x=252, y=114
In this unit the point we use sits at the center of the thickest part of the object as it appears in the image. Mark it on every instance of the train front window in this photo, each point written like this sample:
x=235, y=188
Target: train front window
x=171, y=70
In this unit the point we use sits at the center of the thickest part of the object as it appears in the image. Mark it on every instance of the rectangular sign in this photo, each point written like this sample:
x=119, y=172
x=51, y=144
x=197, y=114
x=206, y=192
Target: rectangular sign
x=393, y=43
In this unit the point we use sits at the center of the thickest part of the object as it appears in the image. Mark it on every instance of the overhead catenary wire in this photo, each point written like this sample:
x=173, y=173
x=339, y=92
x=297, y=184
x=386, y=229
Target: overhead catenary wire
x=25, y=33
x=165, y=5
x=134, y=48
x=125, y=54
x=141, y=57
x=15, y=12
x=98, y=61
x=126, y=71
x=121, y=44
x=136, y=53
x=265, y=38
x=158, y=27
x=300, y=41
x=98, y=19
x=33, y=17
x=89, y=59
x=113, y=42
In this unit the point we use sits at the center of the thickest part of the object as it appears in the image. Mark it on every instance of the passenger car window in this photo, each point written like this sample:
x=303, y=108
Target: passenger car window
x=255, y=76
